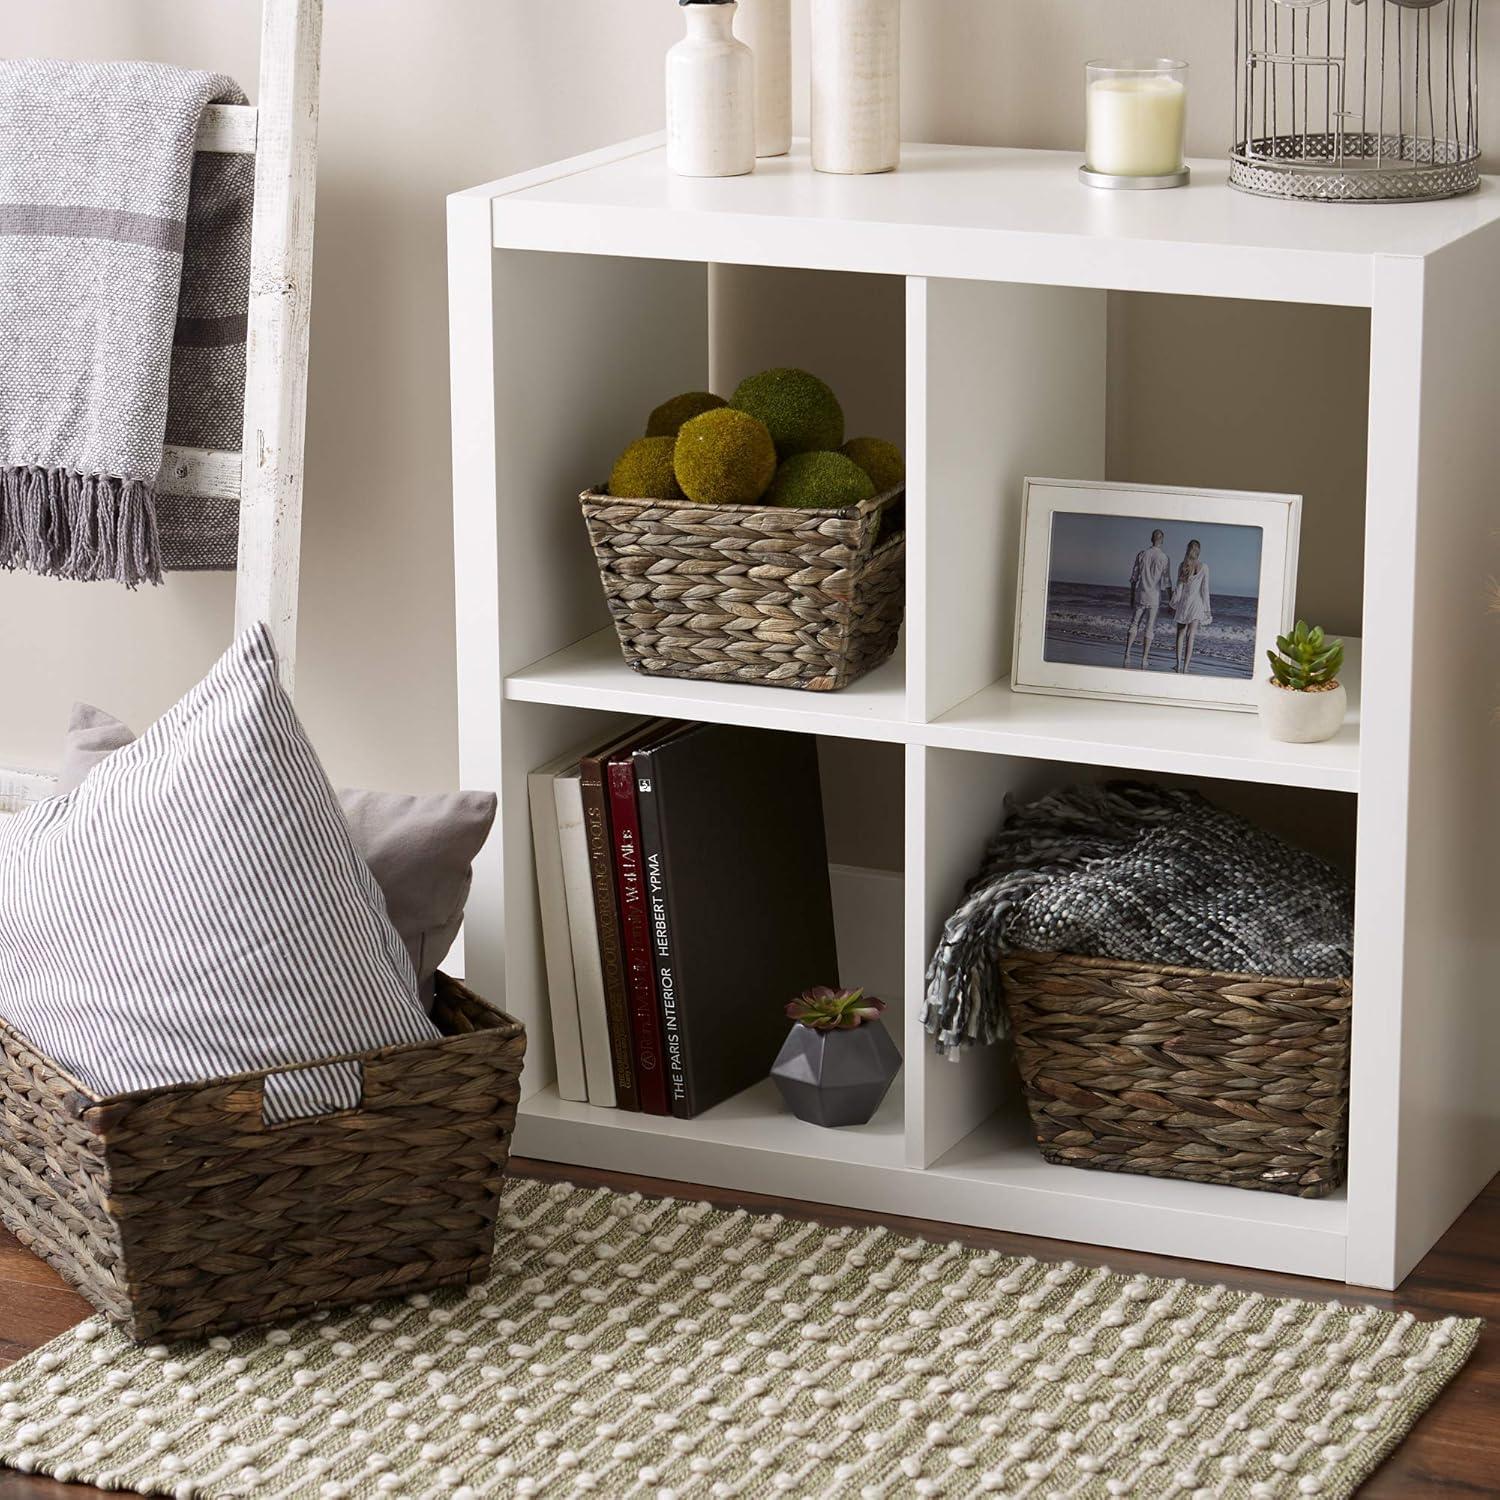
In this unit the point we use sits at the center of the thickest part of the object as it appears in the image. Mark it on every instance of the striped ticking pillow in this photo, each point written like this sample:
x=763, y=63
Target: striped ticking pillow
x=196, y=910
x=421, y=850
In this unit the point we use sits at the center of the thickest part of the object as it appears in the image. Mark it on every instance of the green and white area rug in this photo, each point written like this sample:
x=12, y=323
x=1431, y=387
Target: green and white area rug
x=633, y=1347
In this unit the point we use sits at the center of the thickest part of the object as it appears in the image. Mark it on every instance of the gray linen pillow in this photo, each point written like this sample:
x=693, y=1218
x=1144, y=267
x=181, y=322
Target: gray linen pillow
x=421, y=850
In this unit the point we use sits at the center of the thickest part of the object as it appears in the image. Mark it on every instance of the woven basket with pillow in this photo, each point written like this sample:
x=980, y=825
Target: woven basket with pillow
x=223, y=1100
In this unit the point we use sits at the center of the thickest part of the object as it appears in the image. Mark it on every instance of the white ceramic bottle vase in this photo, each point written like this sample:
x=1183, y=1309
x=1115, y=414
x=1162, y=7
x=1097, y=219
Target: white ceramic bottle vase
x=856, y=85
x=710, y=95
x=765, y=27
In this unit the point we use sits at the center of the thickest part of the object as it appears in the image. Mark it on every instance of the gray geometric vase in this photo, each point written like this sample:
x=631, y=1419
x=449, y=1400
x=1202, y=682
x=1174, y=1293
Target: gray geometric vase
x=836, y=1077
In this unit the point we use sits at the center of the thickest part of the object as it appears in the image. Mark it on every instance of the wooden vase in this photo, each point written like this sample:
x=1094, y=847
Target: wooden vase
x=856, y=85
x=710, y=96
x=765, y=27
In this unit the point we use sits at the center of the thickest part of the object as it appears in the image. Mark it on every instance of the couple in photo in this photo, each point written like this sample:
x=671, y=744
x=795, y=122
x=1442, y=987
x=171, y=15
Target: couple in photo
x=1189, y=599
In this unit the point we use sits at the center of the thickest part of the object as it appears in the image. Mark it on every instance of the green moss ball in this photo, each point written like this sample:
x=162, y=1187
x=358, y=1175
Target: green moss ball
x=644, y=471
x=804, y=416
x=827, y=481
x=724, y=457
x=667, y=419
x=881, y=460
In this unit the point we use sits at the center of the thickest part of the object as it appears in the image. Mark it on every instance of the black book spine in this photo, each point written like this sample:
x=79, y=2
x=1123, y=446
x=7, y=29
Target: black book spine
x=659, y=908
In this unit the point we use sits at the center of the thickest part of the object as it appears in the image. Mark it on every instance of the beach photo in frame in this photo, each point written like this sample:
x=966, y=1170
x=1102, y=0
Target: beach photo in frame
x=1145, y=592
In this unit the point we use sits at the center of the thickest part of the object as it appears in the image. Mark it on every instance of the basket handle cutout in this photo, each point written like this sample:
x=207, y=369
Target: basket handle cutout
x=311, y=1091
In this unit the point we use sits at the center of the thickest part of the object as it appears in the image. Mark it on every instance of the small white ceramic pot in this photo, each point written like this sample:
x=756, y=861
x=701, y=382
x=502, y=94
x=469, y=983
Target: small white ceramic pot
x=856, y=85
x=710, y=96
x=765, y=27
x=1301, y=718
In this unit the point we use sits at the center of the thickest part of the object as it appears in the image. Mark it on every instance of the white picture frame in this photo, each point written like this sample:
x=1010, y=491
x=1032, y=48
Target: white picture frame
x=1211, y=682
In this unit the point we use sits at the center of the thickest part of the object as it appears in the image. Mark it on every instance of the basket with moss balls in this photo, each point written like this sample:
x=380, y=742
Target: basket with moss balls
x=746, y=541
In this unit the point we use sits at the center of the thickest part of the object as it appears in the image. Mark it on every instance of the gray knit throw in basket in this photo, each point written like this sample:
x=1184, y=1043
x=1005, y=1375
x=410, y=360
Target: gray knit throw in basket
x=1145, y=873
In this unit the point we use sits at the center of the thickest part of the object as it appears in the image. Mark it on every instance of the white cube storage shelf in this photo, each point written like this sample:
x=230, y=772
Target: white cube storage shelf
x=581, y=292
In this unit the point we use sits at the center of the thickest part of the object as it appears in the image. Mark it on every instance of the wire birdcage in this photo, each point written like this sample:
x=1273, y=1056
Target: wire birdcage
x=1356, y=100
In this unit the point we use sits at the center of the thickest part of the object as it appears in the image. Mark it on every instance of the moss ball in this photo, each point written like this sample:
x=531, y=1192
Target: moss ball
x=881, y=460
x=827, y=481
x=667, y=419
x=644, y=471
x=724, y=457
x=804, y=416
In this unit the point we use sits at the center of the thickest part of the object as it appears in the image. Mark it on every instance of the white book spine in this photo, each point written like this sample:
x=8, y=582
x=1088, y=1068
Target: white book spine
x=588, y=971
x=557, y=941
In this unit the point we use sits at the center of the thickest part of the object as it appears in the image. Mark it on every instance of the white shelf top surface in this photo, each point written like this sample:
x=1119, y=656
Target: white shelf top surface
x=1002, y=1152
x=755, y=1120
x=986, y=213
x=1090, y=731
x=1153, y=737
x=592, y=674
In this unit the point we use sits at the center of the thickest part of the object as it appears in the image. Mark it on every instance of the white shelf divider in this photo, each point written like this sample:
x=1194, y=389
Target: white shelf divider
x=1012, y=384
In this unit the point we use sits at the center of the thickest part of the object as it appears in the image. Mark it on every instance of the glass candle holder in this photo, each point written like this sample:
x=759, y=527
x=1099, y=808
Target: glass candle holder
x=1137, y=124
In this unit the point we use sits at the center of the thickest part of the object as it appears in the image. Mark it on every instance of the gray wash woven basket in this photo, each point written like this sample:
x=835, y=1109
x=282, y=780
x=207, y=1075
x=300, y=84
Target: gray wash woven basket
x=765, y=594
x=1239, y=1079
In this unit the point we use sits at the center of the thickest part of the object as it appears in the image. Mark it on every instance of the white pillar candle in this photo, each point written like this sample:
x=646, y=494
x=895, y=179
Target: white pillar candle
x=765, y=27
x=1137, y=121
x=856, y=85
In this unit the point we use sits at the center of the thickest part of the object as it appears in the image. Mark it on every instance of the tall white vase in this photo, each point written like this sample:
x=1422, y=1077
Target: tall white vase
x=765, y=27
x=856, y=85
x=710, y=96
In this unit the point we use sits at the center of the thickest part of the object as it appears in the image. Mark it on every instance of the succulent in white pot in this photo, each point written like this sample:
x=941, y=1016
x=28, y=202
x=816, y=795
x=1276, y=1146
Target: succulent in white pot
x=1303, y=701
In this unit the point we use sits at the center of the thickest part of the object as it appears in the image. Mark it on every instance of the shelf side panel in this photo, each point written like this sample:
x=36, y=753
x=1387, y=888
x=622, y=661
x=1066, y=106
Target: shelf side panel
x=1015, y=382
x=1425, y=1112
x=471, y=355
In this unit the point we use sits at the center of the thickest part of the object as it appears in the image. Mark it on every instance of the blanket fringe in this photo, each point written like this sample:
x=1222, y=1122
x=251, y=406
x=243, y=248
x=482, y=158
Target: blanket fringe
x=1036, y=843
x=89, y=527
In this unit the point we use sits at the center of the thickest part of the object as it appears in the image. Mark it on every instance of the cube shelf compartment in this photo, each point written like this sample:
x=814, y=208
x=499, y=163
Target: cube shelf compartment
x=581, y=289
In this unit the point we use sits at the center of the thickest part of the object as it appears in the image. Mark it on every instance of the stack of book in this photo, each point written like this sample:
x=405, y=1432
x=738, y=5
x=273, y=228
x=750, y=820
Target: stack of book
x=683, y=877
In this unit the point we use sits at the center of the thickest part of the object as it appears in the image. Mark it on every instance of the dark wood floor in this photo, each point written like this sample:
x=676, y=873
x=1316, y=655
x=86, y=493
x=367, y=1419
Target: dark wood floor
x=1455, y=1449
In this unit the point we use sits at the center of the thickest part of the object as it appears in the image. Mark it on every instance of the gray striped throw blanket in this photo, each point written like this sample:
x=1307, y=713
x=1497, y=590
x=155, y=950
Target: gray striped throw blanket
x=1130, y=871
x=124, y=280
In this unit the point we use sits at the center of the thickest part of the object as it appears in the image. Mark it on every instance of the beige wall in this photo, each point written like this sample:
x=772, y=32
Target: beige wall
x=424, y=96
x=420, y=97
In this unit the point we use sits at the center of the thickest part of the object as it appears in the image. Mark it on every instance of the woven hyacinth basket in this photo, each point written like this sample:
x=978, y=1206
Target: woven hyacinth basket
x=766, y=594
x=1169, y=1072
x=178, y=1213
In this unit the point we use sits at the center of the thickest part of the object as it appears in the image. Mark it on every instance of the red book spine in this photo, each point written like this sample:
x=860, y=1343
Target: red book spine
x=635, y=931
